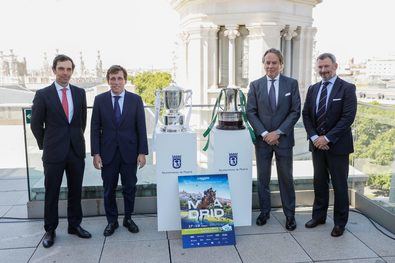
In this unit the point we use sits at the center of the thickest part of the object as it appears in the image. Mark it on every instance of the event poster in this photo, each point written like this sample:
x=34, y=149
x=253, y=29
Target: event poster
x=206, y=211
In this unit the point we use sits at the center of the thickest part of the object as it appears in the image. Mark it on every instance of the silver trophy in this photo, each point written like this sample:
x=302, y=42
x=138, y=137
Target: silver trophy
x=230, y=114
x=173, y=99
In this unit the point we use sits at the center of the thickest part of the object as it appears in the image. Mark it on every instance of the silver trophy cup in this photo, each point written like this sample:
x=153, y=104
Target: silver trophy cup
x=230, y=115
x=173, y=99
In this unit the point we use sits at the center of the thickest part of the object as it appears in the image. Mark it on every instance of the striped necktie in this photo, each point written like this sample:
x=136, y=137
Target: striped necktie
x=321, y=112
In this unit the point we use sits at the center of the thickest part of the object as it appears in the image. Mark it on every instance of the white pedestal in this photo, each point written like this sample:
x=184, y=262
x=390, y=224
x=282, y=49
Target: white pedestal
x=171, y=147
x=230, y=152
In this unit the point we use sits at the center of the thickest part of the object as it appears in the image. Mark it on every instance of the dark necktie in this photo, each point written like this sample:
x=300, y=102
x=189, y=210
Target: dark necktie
x=272, y=96
x=321, y=112
x=117, y=110
x=65, y=103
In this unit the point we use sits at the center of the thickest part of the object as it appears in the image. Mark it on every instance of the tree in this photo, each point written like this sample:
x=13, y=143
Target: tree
x=375, y=134
x=147, y=83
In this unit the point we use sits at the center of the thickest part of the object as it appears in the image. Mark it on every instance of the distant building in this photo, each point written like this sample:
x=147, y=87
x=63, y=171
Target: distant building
x=12, y=69
x=381, y=68
x=14, y=72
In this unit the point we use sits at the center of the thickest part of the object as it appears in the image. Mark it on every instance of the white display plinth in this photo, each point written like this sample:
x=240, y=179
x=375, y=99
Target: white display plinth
x=171, y=147
x=230, y=152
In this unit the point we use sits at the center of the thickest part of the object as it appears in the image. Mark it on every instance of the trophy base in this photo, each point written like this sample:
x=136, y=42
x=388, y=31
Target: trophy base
x=175, y=119
x=230, y=125
x=174, y=128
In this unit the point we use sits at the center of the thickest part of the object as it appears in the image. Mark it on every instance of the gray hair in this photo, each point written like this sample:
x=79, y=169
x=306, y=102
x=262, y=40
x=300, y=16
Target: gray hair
x=327, y=55
x=276, y=52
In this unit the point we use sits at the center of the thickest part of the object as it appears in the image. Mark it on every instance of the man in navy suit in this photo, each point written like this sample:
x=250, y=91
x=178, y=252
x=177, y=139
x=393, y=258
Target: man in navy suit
x=119, y=145
x=58, y=122
x=273, y=108
x=328, y=114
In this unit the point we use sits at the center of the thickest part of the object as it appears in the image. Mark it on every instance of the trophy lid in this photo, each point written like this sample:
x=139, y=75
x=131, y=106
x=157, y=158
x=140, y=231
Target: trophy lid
x=232, y=87
x=173, y=87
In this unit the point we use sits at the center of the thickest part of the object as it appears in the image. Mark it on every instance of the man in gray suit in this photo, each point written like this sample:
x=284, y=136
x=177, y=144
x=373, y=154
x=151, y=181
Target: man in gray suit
x=273, y=108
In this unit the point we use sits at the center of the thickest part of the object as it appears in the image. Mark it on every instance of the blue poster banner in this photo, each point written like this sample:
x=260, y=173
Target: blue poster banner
x=206, y=211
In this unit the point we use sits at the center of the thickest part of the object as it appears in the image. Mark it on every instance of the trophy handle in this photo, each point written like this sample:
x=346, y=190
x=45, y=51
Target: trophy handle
x=219, y=102
x=158, y=105
x=188, y=97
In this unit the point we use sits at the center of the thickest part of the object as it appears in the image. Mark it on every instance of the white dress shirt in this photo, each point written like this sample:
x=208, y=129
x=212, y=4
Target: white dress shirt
x=276, y=89
x=276, y=86
x=69, y=98
x=120, y=100
x=317, y=101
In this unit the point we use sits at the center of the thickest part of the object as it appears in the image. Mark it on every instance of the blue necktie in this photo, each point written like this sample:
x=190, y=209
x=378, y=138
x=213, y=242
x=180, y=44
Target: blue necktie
x=272, y=96
x=321, y=112
x=117, y=110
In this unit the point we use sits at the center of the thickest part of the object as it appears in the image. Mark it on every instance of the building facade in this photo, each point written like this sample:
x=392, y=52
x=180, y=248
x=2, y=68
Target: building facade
x=222, y=42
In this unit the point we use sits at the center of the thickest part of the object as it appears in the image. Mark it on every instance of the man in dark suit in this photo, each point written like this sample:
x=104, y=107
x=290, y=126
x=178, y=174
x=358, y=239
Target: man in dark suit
x=58, y=122
x=119, y=145
x=273, y=108
x=328, y=114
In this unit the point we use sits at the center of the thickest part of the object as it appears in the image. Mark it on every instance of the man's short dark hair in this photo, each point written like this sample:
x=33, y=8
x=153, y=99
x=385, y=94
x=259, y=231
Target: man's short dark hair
x=327, y=55
x=276, y=52
x=62, y=58
x=114, y=69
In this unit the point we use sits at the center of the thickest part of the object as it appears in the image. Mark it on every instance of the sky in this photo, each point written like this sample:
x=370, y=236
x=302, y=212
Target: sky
x=355, y=28
x=141, y=33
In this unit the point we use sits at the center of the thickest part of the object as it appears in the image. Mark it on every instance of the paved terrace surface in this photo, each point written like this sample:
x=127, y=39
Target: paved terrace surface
x=20, y=241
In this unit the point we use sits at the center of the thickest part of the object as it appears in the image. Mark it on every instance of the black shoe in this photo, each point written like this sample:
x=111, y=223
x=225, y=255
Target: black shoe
x=290, y=223
x=49, y=239
x=337, y=231
x=79, y=231
x=130, y=225
x=110, y=228
x=314, y=222
x=262, y=218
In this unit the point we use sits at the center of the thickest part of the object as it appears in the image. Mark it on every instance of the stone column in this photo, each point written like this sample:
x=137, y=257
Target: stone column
x=199, y=69
x=261, y=38
x=182, y=76
x=288, y=35
x=223, y=65
x=302, y=58
x=231, y=32
x=308, y=59
x=213, y=57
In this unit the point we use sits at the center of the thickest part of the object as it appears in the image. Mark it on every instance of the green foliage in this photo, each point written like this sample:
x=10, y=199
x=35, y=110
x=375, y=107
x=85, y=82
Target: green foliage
x=380, y=181
x=381, y=148
x=148, y=82
x=375, y=134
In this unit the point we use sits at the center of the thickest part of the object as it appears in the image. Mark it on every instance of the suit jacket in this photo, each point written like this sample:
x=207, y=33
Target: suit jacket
x=50, y=127
x=340, y=114
x=287, y=113
x=130, y=137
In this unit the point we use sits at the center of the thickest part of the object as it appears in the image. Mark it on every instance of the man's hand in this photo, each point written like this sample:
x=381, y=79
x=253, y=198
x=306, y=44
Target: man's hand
x=97, y=163
x=272, y=138
x=321, y=143
x=141, y=160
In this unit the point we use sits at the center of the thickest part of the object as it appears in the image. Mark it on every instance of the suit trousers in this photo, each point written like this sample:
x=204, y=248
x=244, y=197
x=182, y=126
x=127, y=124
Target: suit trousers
x=325, y=164
x=74, y=168
x=110, y=175
x=264, y=156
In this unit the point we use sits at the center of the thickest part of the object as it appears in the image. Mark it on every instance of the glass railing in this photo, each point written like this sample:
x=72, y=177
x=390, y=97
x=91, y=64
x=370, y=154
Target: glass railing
x=146, y=186
x=374, y=143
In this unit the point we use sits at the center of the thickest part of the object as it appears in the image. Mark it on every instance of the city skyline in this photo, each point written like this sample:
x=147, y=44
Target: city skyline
x=139, y=30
